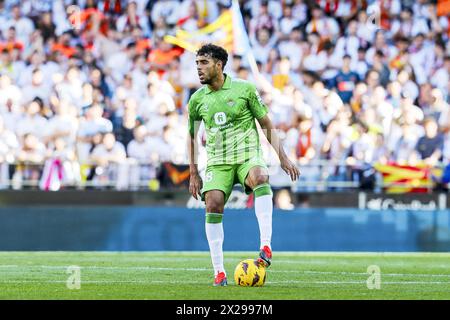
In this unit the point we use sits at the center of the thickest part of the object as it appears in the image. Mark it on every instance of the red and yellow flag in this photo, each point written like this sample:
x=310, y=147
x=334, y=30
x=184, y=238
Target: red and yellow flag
x=219, y=32
x=405, y=178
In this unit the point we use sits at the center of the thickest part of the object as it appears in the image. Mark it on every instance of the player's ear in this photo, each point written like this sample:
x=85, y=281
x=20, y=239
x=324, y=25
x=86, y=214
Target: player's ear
x=219, y=64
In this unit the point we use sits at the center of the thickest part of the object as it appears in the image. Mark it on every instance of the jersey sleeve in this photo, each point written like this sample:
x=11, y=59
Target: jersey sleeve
x=256, y=105
x=193, y=115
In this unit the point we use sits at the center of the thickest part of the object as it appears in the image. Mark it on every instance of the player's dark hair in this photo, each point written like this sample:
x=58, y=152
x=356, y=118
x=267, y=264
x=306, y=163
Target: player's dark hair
x=215, y=52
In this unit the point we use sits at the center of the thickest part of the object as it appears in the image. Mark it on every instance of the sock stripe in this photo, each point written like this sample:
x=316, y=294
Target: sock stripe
x=214, y=217
x=262, y=190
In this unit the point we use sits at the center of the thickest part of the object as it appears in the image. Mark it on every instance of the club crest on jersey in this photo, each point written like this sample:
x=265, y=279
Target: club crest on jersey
x=230, y=103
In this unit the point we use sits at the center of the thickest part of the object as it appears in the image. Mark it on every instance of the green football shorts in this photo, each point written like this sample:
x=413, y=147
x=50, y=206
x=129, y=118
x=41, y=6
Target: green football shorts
x=224, y=176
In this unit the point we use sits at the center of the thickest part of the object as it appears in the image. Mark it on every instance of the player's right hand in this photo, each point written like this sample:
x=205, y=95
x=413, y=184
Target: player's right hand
x=195, y=185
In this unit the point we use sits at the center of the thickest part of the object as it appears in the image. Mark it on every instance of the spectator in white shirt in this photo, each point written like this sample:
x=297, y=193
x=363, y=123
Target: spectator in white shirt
x=91, y=124
x=71, y=88
x=138, y=148
x=300, y=11
x=148, y=107
x=440, y=77
x=32, y=151
x=120, y=63
x=327, y=27
x=263, y=20
x=408, y=26
x=349, y=44
x=292, y=48
x=109, y=159
x=9, y=93
x=166, y=9
x=366, y=29
x=287, y=23
x=421, y=55
x=63, y=125
x=37, y=88
x=32, y=122
x=110, y=151
x=140, y=155
x=133, y=19
x=22, y=24
x=380, y=44
x=273, y=6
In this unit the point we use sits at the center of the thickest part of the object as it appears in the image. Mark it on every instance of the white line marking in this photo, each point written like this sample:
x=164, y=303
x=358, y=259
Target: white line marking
x=149, y=268
x=203, y=282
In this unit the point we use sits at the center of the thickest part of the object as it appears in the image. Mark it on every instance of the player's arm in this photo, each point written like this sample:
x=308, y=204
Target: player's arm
x=195, y=182
x=272, y=136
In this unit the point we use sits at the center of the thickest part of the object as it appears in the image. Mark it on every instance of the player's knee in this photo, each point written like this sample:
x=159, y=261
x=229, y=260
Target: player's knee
x=260, y=180
x=214, y=205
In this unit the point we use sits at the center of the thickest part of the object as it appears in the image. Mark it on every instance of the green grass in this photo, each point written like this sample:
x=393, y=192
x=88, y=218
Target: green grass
x=188, y=275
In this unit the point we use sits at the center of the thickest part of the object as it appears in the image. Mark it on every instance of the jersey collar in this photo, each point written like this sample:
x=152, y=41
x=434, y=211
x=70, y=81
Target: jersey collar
x=226, y=85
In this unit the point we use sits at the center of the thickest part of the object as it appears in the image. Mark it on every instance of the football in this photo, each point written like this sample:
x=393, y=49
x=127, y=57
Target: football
x=250, y=273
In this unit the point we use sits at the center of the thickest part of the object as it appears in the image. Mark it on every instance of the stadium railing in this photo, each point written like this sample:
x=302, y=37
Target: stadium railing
x=317, y=176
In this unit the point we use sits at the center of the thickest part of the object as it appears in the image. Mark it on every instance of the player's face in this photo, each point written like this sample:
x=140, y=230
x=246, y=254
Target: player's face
x=207, y=68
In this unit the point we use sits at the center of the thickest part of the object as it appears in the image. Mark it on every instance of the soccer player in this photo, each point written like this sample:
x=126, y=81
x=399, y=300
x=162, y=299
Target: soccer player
x=228, y=108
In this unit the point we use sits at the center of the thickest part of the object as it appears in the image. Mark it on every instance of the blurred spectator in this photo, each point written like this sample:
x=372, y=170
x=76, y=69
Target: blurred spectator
x=128, y=122
x=430, y=146
x=291, y=47
x=133, y=19
x=29, y=156
x=325, y=26
x=345, y=81
x=349, y=43
x=110, y=151
x=138, y=148
x=108, y=159
x=38, y=88
x=263, y=20
x=262, y=43
x=120, y=63
x=91, y=124
x=23, y=26
x=32, y=122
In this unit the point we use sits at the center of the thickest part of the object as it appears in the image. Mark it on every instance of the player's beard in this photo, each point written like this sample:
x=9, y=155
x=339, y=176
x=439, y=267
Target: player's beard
x=204, y=80
x=208, y=77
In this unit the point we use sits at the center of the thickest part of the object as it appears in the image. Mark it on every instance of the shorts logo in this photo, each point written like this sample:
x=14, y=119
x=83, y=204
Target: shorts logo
x=209, y=176
x=220, y=118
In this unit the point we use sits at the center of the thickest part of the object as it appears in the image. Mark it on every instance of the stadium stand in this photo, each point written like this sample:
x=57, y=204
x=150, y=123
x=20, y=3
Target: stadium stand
x=92, y=96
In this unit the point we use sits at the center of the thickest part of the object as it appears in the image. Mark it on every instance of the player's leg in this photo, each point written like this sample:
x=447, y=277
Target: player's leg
x=217, y=187
x=258, y=180
x=254, y=177
x=215, y=202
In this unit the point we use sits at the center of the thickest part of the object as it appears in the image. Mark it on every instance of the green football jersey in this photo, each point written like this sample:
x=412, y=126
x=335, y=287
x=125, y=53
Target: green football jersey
x=229, y=115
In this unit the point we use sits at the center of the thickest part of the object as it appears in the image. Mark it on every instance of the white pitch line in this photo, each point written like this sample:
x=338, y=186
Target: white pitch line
x=299, y=272
x=203, y=282
x=144, y=268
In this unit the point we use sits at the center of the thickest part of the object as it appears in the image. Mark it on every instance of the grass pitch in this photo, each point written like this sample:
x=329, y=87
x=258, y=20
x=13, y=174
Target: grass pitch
x=188, y=275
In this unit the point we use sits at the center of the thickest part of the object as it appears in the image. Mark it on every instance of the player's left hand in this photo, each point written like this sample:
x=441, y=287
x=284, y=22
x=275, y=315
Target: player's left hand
x=290, y=168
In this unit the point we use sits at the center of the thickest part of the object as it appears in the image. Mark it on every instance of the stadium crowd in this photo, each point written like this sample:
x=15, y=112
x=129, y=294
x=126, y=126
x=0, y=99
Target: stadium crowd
x=88, y=89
